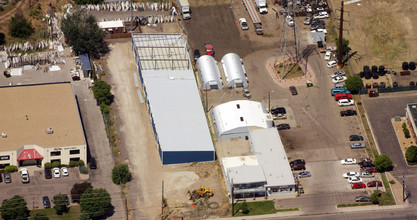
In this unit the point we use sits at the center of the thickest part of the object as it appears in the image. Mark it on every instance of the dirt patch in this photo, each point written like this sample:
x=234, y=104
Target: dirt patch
x=402, y=140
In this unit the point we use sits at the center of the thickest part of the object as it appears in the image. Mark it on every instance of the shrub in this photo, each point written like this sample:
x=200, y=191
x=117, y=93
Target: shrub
x=73, y=163
x=10, y=169
x=375, y=197
x=83, y=170
x=121, y=174
x=19, y=27
x=404, y=126
x=406, y=133
x=81, y=163
x=48, y=165
x=411, y=154
x=391, y=182
x=56, y=164
x=244, y=208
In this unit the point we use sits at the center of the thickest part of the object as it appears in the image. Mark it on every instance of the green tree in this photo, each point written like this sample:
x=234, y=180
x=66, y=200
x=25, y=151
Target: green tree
x=383, y=163
x=345, y=46
x=95, y=202
x=78, y=189
x=19, y=27
x=14, y=208
x=121, y=174
x=10, y=169
x=354, y=83
x=83, y=34
x=56, y=164
x=404, y=125
x=60, y=204
x=48, y=165
x=2, y=38
x=406, y=133
x=41, y=216
x=102, y=92
x=411, y=154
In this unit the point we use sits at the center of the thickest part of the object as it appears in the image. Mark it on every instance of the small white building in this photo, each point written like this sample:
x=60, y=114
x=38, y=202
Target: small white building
x=234, y=119
x=112, y=26
x=209, y=73
x=234, y=70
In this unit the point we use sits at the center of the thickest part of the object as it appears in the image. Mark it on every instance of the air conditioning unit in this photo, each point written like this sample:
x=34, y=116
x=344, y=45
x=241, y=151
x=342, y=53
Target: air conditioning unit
x=49, y=131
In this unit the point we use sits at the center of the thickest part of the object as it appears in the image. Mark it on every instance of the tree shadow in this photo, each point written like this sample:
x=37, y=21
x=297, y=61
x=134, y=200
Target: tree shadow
x=109, y=212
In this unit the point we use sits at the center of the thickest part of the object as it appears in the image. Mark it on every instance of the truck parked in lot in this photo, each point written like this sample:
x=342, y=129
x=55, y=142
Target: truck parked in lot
x=254, y=16
x=184, y=7
x=261, y=6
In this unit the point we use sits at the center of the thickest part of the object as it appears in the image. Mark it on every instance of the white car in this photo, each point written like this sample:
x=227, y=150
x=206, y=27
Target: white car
x=321, y=15
x=64, y=171
x=328, y=55
x=350, y=174
x=289, y=20
x=56, y=172
x=332, y=64
x=354, y=179
x=348, y=161
x=338, y=73
x=345, y=102
x=243, y=24
x=25, y=175
x=339, y=79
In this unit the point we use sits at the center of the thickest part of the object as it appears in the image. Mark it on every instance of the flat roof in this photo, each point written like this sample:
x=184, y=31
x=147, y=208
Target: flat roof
x=243, y=169
x=29, y=110
x=85, y=62
x=177, y=110
x=413, y=110
x=268, y=149
x=110, y=24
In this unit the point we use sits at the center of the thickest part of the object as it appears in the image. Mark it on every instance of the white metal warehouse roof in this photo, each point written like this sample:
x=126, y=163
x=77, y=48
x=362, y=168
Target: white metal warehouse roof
x=209, y=71
x=243, y=169
x=233, y=68
x=268, y=149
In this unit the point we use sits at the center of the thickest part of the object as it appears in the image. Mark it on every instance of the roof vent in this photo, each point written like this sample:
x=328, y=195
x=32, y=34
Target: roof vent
x=4, y=135
x=49, y=131
x=171, y=77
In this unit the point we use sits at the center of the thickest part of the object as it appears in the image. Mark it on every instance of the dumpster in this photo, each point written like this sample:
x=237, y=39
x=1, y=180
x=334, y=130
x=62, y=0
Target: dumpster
x=309, y=83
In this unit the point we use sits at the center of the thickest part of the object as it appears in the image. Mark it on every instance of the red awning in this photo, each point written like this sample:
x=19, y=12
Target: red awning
x=29, y=154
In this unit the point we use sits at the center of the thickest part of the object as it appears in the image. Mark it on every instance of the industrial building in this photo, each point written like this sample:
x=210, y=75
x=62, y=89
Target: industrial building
x=234, y=119
x=265, y=173
x=209, y=73
x=40, y=123
x=411, y=115
x=172, y=96
x=234, y=71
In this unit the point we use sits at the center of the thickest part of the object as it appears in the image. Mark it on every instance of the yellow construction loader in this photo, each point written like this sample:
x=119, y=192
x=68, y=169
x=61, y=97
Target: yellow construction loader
x=201, y=193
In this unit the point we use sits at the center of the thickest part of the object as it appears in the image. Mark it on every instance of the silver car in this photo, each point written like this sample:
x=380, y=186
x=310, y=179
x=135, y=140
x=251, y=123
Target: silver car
x=357, y=145
x=338, y=73
x=303, y=174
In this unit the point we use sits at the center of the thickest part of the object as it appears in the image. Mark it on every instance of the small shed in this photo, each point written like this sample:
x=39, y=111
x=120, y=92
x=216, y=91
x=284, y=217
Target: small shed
x=85, y=64
x=112, y=26
x=318, y=36
x=234, y=70
x=209, y=73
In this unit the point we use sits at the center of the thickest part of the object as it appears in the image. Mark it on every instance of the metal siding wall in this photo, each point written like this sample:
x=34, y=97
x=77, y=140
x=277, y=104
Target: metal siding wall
x=176, y=157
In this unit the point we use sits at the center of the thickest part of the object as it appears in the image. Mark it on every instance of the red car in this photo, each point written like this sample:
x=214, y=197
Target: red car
x=342, y=96
x=358, y=185
x=373, y=183
x=369, y=170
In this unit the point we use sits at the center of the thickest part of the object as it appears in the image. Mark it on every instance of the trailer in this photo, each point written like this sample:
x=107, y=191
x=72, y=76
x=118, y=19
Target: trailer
x=184, y=7
x=254, y=16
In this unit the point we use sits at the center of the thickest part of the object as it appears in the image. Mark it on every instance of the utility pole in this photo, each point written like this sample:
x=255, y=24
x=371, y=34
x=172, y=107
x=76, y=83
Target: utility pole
x=233, y=199
x=162, y=204
x=340, y=44
x=207, y=108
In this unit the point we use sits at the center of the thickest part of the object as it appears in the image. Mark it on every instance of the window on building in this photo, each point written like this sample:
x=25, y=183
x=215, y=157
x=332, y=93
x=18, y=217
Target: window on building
x=55, y=153
x=75, y=159
x=74, y=151
x=241, y=118
x=238, y=106
x=4, y=165
x=59, y=160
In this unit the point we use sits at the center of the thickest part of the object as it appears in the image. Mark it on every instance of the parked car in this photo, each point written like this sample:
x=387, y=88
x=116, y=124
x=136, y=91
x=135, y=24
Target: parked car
x=337, y=73
x=298, y=166
x=25, y=175
x=243, y=24
x=369, y=169
x=196, y=55
x=357, y=145
x=321, y=15
x=355, y=137
x=332, y=64
x=374, y=183
x=350, y=174
x=64, y=171
x=335, y=91
x=246, y=93
x=328, y=55
x=367, y=162
x=289, y=20
x=362, y=199
x=92, y=163
x=382, y=85
x=345, y=102
x=368, y=86
x=358, y=185
x=375, y=85
x=354, y=179
x=303, y=174
x=348, y=161
x=307, y=20
x=293, y=90
x=298, y=161
x=48, y=173
x=340, y=85
x=367, y=175
x=46, y=202
x=283, y=126
x=279, y=116
x=7, y=178
x=348, y=113
x=337, y=97
x=339, y=79
x=279, y=110
x=57, y=174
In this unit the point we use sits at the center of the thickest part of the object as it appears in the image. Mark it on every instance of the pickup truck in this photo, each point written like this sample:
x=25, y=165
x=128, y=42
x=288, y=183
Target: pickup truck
x=348, y=113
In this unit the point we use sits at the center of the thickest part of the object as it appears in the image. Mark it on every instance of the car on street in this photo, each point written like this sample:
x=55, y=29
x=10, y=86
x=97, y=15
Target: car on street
x=283, y=126
x=25, y=175
x=64, y=171
x=7, y=178
x=339, y=79
x=354, y=179
x=374, y=183
x=321, y=15
x=348, y=161
x=345, y=102
x=92, y=163
x=246, y=93
x=355, y=137
x=338, y=73
x=332, y=64
x=349, y=112
x=46, y=202
x=298, y=166
x=298, y=161
x=56, y=172
x=362, y=199
x=337, y=97
x=197, y=54
x=243, y=24
x=367, y=175
x=328, y=55
x=48, y=173
x=350, y=174
x=279, y=110
x=357, y=145
x=303, y=174
x=358, y=185
x=293, y=90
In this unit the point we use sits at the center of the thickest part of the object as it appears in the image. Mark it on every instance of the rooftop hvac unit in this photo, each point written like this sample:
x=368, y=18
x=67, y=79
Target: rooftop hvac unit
x=49, y=131
x=3, y=135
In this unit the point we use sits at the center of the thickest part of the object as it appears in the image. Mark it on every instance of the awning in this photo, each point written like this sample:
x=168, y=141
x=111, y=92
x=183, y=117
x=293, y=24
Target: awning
x=29, y=154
